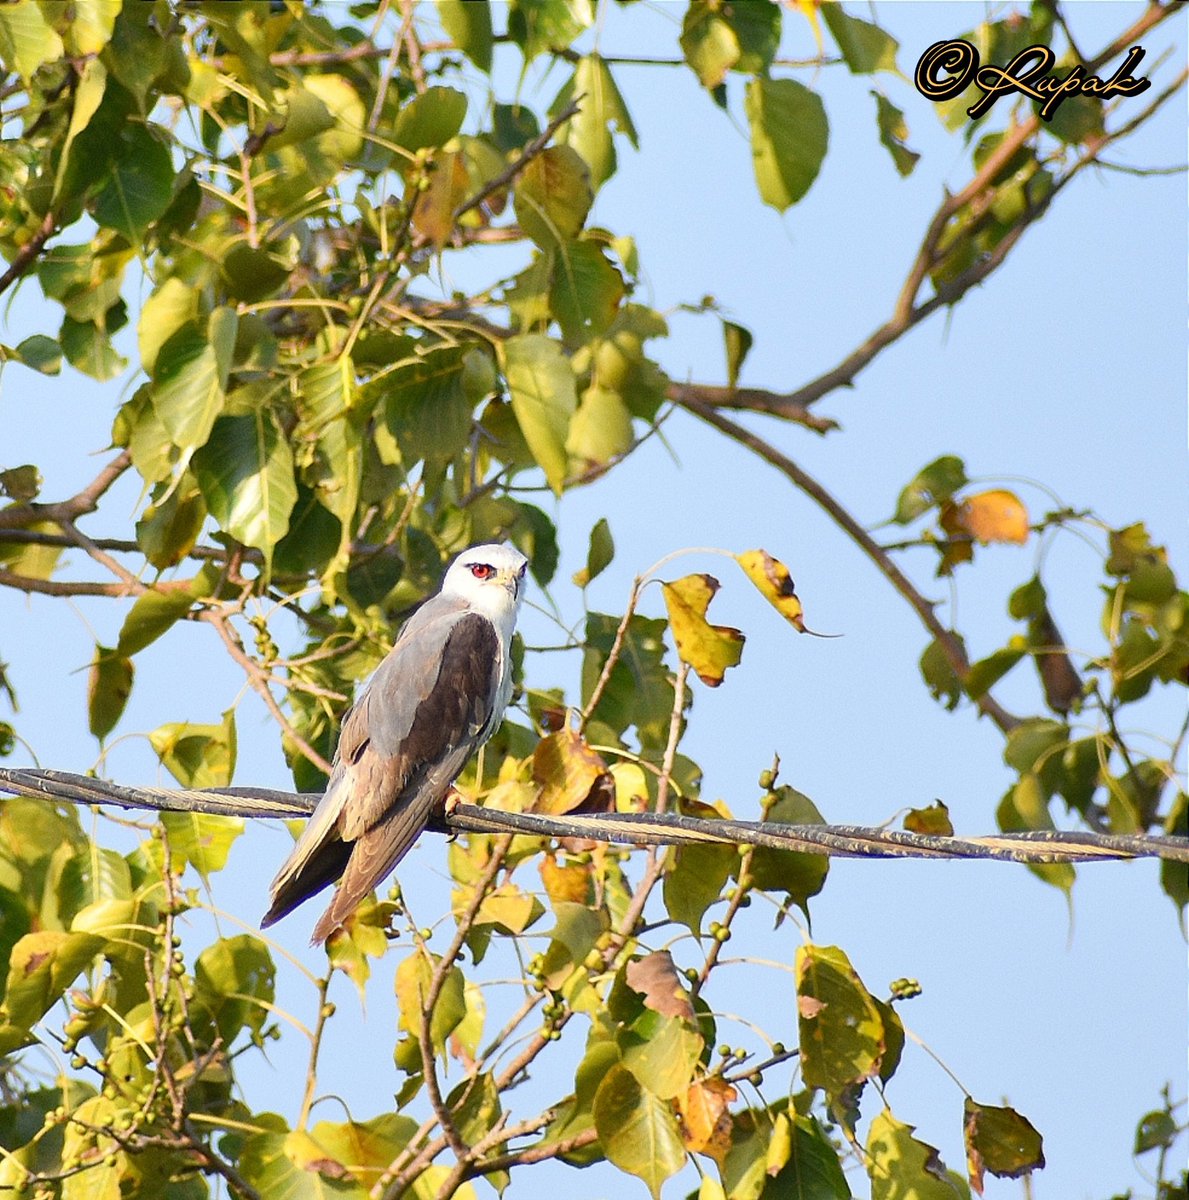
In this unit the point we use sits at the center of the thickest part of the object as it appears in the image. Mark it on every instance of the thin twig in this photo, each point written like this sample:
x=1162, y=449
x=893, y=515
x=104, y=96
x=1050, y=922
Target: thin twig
x=530, y=151
x=23, y=259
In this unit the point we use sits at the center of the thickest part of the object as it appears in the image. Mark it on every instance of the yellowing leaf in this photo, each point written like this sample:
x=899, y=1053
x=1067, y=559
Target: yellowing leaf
x=772, y=577
x=709, y=649
x=900, y=1165
x=994, y=516
x=1001, y=1141
x=705, y=1117
x=567, y=770
x=433, y=214
x=933, y=820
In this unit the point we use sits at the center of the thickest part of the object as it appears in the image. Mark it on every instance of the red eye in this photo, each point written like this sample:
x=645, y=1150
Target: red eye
x=482, y=570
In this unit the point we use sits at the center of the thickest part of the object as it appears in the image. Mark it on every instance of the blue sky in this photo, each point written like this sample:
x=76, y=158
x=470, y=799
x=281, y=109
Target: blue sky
x=1067, y=367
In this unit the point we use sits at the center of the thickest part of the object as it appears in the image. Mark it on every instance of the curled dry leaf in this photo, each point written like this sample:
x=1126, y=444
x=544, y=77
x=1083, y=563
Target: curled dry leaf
x=656, y=979
x=570, y=774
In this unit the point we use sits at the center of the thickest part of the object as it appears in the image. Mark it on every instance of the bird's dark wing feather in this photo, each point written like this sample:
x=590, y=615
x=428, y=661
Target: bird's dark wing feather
x=418, y=722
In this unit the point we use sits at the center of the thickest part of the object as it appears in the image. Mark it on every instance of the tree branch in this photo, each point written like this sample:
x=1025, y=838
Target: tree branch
x=24, y=257
x=86, y=501
x=946, y=638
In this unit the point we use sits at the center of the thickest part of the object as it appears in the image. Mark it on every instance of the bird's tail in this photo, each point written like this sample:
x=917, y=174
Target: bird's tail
x=372, y=857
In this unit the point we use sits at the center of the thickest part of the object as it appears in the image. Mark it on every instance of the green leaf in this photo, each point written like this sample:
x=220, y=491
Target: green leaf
x=585, y=291
x=939, y=675
x=430, y=119
x=637, y=1130
x=26, y=38
x=553, y=196
x=812, y=1170
x=695, y=880
x=987, y=672
x=412, y=986
x=598, y=555
x=364, y=1148
x=864, y=46
x=234, y=986
x=602, y=108
x=94, y=874
x=841, y=1034
x=717, y=38
x=87, y=345
x=800, y=875
x=1155, y=1131
x=639, y=690
x=539, y=25
x=903, y=1168
x=662, y=1052
x=468, y=25
x=89, y=26
x=140, y=186
x=152, y=615
x=198, y=756
x=37, y=351
x=1026, y=807
x=168, y=528
x=41, y=967
x=109, y=685
x=933, y=484
x=738, y=342
x=202, y=840
x=710, y=649
x=600, y=430
x=187, y=386
x=1001, y=1141
x=172, y=305
x=541, y=384
x=789, y=134
x=245, y=471
x=427, y=406
x=21, y=484
x=892, y=132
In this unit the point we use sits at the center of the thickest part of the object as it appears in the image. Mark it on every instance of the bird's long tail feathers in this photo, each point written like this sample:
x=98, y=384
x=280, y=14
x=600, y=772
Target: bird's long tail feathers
x=318, y=869
x=373, y=856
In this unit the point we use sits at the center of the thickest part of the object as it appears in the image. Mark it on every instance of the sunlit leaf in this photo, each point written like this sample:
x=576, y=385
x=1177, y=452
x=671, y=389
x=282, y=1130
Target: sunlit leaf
x=903, y=1168
x=553, y=196
x=198, y=756
x=541, y=385
x=775, y=583
x=602, y=109
x=468, y=23
x=789, y=133
x=709, y=649
x=598, y=555
x=430, y=119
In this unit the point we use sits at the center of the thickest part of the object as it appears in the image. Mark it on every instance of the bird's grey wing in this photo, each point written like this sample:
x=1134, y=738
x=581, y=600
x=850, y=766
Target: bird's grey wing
x=407, y=675
x=398, y=791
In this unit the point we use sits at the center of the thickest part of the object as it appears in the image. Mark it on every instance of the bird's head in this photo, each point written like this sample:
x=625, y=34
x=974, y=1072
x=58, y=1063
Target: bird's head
x=489, y=577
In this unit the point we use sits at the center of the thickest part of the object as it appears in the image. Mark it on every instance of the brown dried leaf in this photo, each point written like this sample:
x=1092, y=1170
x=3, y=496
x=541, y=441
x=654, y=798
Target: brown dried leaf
x=1062, y=684
x=656, y=979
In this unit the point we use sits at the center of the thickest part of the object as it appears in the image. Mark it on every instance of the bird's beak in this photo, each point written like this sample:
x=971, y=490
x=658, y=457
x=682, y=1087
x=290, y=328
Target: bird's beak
x=511, y=580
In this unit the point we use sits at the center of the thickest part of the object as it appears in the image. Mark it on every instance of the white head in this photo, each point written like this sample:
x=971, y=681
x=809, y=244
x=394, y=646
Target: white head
x=490, y=579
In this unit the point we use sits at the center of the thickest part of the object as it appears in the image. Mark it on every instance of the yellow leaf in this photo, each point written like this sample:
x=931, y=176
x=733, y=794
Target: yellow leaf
x=709, y=649
x=567, y=770
x=994, y=516
x=809, y=10
x=772, y=577
x=705, y=1119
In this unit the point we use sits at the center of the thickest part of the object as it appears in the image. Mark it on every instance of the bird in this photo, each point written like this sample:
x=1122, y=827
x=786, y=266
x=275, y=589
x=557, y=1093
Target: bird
x=438, y=695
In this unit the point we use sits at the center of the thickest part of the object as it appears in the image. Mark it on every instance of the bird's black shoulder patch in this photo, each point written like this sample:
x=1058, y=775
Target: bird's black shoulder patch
x=463, y=693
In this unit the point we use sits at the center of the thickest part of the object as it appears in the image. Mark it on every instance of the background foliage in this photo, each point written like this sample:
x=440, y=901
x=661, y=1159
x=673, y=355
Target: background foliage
x=275, y=195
